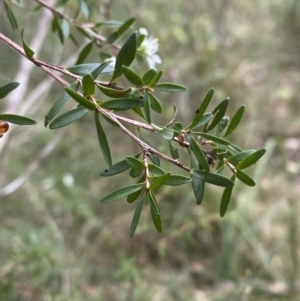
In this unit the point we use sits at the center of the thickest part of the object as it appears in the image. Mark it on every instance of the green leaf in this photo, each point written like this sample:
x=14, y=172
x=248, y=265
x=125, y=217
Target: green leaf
x=134, y=173
x=84, y=9
x=198, y=153
x=149, y=75
x=29, y=52
x=115, y=35
x=169, y=87
x=65, y=27
x=81, y=99
x=67, y=118
x=198, y=185
x=88, y=85
x=103, y=141
x=235, y=120
x=122, y=104
x=125, y=57
x=116, y=168
x=11, y=17
x=132, y=77
x=177, y=127
x=84, y=53
x=212, y=178
x=147, y=107
x=102, y=67
x=221, y=126
x=155, y=78
x=155, y=170
x=246, y=179
x=233, y=148
x=134, y=196
x=164, y=132
x=155, y=103
x=59, y=104
x=219, y=113
x=155, y=212
x=200, y=112
x=173, y=150
x=135, y=163
x=83, y=69
x=136, y=216
x=117, y=93
x=240, y=156
x=204, y=120
x=213, y=138
x=57, y=27
x=5, y=90
x=174, y=180
x=226, y=198
x=159, y=181
x=17, y=119
x=253, y=158
x=122, y=193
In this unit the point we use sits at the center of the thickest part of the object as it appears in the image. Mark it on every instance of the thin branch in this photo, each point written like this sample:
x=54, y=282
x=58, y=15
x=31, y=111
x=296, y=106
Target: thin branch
x=142, y=144
x=83, y=26
x=46, y=67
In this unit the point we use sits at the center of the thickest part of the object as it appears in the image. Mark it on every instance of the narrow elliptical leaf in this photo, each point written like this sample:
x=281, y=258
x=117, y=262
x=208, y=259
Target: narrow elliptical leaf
x=159, y=181
x=68, y=117
x=84, y=53
x=235, y=120
x=122, y=193
x=29, y=52
x=132, y=77
x=116, y=168
x=147, y=107
x=136, y=216
x=226, y=198
x=11, y=17
x=88, y=85
x=155, y=103
x=59, y=104
x=198, y=154
x=17, y=119
x=83, y=69
x=219, y=113
x=115, y=35
x=134, y=196
x=103, y=141
x=155, y=212
x=122, y=104
x=253, y=158
x=246, y=179
x=198, y=187
x=5, y=90
x=203, y=106
x=126, y=56
x=212, y=178
x=81, y=99
x=169, y=87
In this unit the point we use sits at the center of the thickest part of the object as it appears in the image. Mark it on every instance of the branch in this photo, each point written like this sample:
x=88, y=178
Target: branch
x=84, y=26
x=46, y=67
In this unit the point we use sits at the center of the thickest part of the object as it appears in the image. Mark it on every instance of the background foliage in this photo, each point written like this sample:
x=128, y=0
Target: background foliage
x=59, y=243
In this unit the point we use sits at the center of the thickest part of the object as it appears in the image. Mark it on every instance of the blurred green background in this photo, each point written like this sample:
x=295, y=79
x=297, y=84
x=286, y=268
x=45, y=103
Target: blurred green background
x=57, y=242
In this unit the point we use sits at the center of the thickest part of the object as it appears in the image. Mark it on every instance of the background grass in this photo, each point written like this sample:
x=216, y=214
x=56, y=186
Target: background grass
x=57, y=242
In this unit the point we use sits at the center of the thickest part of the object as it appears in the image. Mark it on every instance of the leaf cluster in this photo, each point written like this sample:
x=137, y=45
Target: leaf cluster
x=214, y=160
